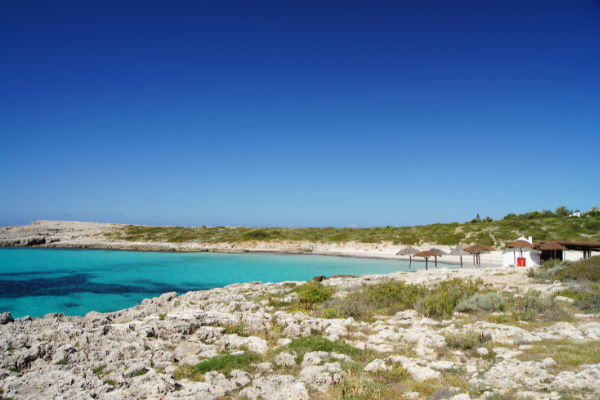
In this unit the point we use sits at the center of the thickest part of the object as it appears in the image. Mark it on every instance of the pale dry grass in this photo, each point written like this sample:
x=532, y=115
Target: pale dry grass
x=569, y=355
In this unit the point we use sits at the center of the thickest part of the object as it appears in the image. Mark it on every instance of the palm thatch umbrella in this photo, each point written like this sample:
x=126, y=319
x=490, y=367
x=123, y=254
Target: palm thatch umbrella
x=520, y=244
x=459, y=251
x=439, y=253
x=552, y=246
x=476, y=250
x=408, y=251
x=428, y=254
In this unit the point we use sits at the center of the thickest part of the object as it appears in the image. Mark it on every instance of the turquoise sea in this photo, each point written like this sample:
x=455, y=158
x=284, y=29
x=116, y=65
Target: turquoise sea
x=39, y=281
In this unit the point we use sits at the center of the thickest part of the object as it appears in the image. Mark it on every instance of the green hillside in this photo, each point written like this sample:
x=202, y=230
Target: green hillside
x=541, y=225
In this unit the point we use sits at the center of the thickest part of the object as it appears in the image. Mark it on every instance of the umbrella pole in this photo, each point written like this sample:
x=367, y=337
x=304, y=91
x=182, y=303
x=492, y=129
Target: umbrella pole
x=435, y=262
x=515, y=256
x=426, y=258
x=461, y=261
x=410, y=263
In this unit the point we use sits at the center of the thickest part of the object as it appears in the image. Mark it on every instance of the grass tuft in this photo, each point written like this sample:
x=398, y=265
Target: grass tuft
x=223, y=364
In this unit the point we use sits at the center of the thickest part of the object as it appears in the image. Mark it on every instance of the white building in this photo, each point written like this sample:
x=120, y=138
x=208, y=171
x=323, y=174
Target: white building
x=522, y=257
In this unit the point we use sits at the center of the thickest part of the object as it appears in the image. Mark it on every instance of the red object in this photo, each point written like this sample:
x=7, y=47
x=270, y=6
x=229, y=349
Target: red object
x=521, y=262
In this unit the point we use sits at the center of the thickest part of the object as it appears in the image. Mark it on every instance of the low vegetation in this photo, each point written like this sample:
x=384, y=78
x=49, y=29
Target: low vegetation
x=223, y=364
x=482, y=302
x=587, y=270
x=581, y=277
x=534, y=306
x=313, y=292
x=319, y=343
x=567, y=354
x=437, y=300
x=543, y=225
x=467, y=339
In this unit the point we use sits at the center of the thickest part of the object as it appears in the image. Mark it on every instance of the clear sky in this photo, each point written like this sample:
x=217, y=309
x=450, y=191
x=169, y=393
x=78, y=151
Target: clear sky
x=297, y=113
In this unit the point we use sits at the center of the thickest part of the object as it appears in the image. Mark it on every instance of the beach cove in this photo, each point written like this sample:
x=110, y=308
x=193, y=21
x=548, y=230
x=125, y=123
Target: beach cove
x=38, y=281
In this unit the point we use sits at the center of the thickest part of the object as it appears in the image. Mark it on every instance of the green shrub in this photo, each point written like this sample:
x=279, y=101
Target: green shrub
x=319, y=343
x=140, y=372
x=390, y=292
x=466, y=339
x=441, y=299
x=356, y=305
x=452, y=239
x=588, y=269
x=586, y=297
x=99, y=370
x=314, y=292
x=533, y=306
x=593, y=226
x=481, y=302
x=257, y=234
x=397, y=373
x=437, y=300
x=64, y=361
x=223, y=364
x=240, y=329
x=551, y=264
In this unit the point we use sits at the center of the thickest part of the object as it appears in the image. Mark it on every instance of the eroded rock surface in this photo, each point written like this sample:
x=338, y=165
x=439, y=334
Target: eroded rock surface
x=141, y=352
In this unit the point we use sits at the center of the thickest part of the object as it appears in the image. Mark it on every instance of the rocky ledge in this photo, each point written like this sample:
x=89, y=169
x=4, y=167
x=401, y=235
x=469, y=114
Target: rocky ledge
x=156, y=349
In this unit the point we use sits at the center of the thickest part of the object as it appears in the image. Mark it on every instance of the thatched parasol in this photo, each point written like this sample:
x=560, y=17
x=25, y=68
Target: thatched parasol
x=408, y=251
x=438, y=252
x=552, y=246
x=520, y=244
x=476, y=250
x=428, y=254
x=459, y=251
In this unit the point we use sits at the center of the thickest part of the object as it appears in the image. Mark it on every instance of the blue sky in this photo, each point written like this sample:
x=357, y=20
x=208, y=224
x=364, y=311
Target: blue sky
x=297, y=113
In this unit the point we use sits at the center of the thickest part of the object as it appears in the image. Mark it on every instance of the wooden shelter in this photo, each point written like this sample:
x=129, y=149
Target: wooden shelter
x=550, y=249
x=586, y=247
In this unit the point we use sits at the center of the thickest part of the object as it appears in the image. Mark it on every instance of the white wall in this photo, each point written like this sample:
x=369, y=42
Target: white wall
x=531, y=260
x=571, y=255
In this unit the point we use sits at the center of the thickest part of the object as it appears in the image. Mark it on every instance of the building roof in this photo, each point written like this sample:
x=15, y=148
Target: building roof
x=574, y=245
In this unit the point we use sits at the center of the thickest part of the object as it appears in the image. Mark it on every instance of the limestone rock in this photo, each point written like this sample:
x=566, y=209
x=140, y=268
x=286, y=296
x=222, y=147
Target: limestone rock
x=276, y=387
x=376, y=365
x=285, y=359
x=321, y=377
x=5, y=318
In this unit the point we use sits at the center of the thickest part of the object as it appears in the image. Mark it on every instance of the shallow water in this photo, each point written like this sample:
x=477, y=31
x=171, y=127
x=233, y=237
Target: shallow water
x=39, y=281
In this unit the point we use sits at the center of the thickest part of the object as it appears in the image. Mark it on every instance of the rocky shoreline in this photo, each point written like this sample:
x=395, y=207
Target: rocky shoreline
x=141, y=352
x=90, y=235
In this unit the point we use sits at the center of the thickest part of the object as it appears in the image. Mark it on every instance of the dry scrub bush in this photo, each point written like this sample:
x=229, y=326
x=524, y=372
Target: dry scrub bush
x=482, y=302
x=533, y=306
